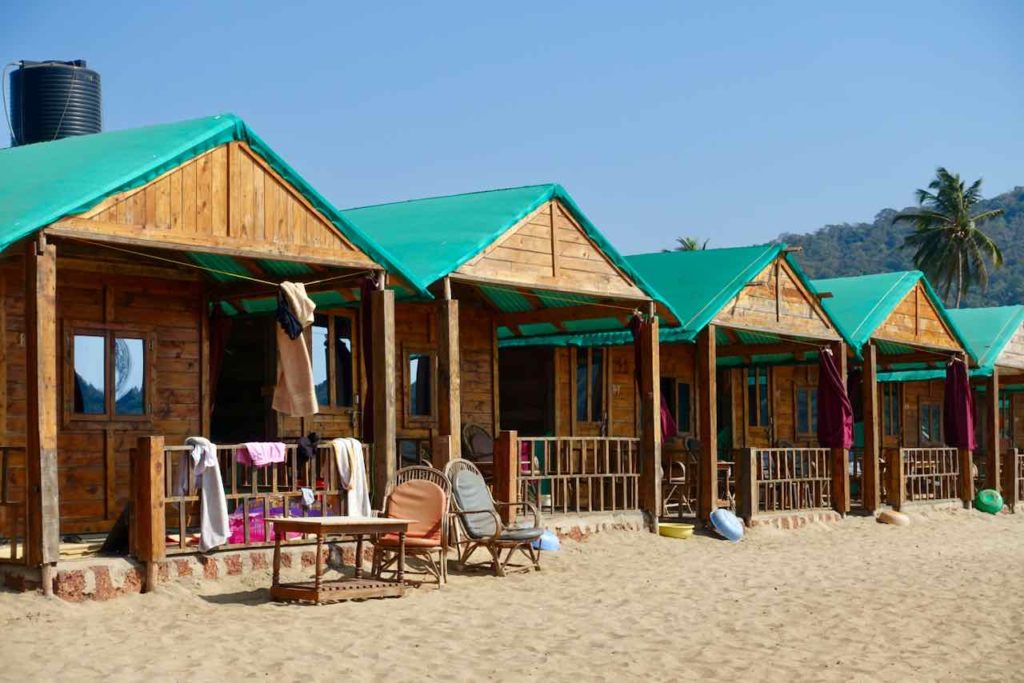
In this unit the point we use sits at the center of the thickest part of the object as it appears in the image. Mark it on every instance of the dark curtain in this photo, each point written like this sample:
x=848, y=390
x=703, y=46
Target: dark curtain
x=669, y=428
x=220, y=334
x=835, y=413
x=958, y=408
x=366, y=288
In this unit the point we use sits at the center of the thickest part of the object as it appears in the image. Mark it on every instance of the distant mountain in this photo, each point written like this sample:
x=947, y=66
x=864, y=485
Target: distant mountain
x=859, y=248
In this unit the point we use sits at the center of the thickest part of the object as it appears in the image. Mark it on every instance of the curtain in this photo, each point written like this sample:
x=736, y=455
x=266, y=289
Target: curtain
x=366, y=288
x=958, y=407
x=835, y=413
x=220, y=333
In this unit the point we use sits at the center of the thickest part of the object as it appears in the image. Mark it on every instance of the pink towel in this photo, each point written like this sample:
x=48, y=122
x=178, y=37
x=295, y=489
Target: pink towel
x=260, y=454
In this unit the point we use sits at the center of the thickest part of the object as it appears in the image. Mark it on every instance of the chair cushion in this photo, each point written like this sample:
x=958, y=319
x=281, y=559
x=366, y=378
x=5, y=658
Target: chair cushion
x=471, y=493
x=521, y=534
x=422, y=501
x=391, y=541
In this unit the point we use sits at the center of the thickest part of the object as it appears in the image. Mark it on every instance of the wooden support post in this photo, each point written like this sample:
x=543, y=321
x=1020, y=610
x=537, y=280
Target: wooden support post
x=870, y=481
x=506, y=473
x=707, y=407
x=382, y=302
x=43, y=542
x=650, y=423
x=747, y=484
x=449, y=392
x=148, y=510
x=897, y=479
x=966, y=478
x=992, y=478
x=840, y=457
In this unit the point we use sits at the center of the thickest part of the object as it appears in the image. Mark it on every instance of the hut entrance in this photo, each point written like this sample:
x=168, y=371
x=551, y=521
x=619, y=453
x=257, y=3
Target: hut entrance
x=241, y=408
x=527, y=390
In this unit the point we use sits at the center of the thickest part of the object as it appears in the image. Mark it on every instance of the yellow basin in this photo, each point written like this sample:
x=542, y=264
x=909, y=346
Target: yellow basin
x=675, y=530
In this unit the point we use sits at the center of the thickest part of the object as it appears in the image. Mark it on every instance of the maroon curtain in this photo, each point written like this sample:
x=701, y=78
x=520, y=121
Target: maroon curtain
x=220, y=333
x=835, y=413
x=958, y=408
x=366, y=287
x=669, y=428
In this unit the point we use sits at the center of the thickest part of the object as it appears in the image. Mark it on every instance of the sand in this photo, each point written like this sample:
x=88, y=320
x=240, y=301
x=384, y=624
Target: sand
x=941, y=599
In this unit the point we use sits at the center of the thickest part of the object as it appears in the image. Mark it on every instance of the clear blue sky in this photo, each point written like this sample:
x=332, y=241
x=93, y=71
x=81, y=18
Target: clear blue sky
x=734, y=123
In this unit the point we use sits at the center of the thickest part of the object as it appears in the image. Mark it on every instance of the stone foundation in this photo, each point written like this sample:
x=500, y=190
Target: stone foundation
x=795, y=520
x=578, y=526
x=20, y=578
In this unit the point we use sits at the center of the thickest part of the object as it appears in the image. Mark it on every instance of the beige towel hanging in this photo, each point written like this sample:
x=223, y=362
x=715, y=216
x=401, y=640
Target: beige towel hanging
x=295, y=393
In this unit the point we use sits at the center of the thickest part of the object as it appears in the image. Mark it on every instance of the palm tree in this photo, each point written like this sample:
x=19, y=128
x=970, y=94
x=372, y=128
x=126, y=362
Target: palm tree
x=950, y=247
x=690, y=244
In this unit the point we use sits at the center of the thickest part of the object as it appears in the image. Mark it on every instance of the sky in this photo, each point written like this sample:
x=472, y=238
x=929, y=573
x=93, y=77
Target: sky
x=728, y=121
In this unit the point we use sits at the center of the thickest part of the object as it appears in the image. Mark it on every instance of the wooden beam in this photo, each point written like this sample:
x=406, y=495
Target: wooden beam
x=43, y=543
x=992, y=478
x=554, y=315
x=742, y=350
x=548, y=286
x=707, y=406
x=870, y=484
x=650, y=423
x=506, y=473
x=887, y=361
x=150, y=526
x=449, y=379
x=840, y=459
x=382, y=302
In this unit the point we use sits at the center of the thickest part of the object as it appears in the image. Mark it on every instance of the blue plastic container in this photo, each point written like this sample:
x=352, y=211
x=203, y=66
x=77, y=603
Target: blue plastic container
x=548, y=542
x=727, y=525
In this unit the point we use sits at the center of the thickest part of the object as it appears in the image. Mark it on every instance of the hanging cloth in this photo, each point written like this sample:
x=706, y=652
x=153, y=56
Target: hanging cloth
x=669, y=428
x=958, y=407
x=295, y=392
x=835, y=412
x=201, y=465
x=348, y=457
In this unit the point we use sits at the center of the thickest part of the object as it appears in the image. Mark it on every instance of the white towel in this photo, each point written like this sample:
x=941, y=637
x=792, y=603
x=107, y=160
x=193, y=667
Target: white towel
x=201, y=463
x=348, y=456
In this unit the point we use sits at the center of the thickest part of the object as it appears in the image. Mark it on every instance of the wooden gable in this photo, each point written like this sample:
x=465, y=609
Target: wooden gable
x=1012, y=355
x=548, y=249
x=916, y=320
x=227, y=200
x=777, y=301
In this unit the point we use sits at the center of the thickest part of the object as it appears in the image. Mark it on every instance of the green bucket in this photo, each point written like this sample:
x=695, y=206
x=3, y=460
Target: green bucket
x=989, y=500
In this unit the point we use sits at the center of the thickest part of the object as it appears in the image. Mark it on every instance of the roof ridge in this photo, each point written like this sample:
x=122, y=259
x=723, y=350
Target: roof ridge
x=666, y=252
x=903, y=275
x=449, y=196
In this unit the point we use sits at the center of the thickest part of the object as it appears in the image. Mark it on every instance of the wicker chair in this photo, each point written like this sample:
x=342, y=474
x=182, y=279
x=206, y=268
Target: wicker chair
x=679, y=480
x=478, y=448
x=424, y=494
x=481, y=526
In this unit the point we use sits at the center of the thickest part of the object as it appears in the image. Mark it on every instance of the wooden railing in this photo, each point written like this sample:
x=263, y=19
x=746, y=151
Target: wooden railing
x=1013, y=478
x=12, y=505
x=928, y=475
x=784, y=480
x=573, y=474
x=167, y=505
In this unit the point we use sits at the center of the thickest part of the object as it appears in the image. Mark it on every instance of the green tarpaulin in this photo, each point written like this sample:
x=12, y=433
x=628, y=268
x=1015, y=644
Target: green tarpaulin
x=44, y=182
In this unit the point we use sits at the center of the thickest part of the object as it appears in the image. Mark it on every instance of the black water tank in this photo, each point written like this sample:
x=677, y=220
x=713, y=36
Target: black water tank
x=53, y=100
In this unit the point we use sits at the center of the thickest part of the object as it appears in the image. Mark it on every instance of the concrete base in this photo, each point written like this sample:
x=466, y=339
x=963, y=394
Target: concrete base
x=20, y=578
x=795, y=520
x=580, y=525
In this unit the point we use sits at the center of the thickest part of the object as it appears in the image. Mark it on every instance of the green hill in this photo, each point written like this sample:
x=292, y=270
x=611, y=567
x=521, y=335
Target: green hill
x=859, y=248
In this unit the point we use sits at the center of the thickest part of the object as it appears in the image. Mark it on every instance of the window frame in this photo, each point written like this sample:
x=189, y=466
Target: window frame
x=110, y=332
x=755, y=410
x=892, y=406
x=331, y=408
x=935, y=420
x=673, y=403
x=589, y=351
x=410, y=420
x=812, y=417
x=1006, y=418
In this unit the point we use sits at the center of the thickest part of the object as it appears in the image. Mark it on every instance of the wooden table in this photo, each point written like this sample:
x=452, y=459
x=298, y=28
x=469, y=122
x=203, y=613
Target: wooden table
x=346, y=588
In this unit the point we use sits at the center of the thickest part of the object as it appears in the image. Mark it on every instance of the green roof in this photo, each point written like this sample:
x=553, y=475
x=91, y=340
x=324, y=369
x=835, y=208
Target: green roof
x=44, y=182
x=860, y=304
x=697, y=284
x=986, y=330
x=433, y=237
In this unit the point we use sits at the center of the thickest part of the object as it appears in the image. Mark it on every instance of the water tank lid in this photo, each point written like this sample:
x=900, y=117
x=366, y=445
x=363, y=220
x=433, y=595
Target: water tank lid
x=74, y=62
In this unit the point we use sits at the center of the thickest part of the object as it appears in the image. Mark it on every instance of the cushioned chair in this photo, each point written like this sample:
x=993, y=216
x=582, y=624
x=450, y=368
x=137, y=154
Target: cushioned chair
x=421, y=494
x=478, y=448
x=481, y=526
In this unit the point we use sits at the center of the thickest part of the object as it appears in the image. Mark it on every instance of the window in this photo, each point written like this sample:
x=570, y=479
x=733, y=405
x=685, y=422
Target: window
x=758, y=405
x=891, y=409
x=677, y=397
x=331, y=341
x=420, y=385
x=1005, y=418
x=931, y=423
x=589, y=385
x=108, y=373
x=806, y=411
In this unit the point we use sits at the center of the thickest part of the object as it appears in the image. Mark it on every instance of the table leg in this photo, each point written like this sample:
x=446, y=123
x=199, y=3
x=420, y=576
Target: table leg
x=277, y=558
x=359, y=557
x=401, y=557
x=318, y=574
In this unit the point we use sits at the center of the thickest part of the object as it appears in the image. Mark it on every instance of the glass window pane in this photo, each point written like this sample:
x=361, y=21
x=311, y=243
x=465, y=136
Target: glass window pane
x=597, y=385
x=936, y=424
x=343, y=387
x=90, y=365
x=581, y=385
x=419, y=384
x=319, y=358
x=684, y=406
x=814, y=411
x=763, y=393
x=803, y=425
x=925, y=423
x=129, y=376
x=752, y=398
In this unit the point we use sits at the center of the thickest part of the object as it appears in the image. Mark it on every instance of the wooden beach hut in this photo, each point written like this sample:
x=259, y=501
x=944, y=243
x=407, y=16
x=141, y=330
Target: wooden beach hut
x=996, y=337
x=503, y=265
x=895, y=321
x=123, y=255
x=738, y=376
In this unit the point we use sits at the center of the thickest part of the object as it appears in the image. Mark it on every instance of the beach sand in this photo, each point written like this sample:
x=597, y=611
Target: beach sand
x=942, y=599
